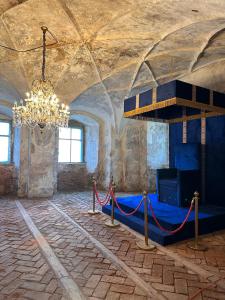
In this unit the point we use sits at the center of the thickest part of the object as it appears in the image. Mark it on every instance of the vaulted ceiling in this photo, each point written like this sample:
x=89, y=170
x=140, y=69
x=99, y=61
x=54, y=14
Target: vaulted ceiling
x=110, y=49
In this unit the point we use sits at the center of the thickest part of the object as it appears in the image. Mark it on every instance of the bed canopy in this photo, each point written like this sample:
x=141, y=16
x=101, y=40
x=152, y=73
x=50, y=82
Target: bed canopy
x=175, y=101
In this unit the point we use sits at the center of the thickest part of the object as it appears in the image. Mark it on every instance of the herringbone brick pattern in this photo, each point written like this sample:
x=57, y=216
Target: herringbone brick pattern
x=212, y=260
x=96, y=275
x=24, y=273
x=166, y=275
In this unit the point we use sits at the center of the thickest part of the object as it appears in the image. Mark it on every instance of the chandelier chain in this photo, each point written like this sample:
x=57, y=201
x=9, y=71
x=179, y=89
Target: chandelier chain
x=44, y=29
x=41, y=107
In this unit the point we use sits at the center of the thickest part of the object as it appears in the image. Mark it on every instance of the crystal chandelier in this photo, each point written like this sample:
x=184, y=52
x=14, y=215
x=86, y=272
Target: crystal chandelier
x=41, y=106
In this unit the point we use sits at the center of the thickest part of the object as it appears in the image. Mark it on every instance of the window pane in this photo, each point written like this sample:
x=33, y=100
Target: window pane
x=76, y=151
x=64, y=133
x=4, y=149
x=76, y=133
x=64, y=151
x=4, y=128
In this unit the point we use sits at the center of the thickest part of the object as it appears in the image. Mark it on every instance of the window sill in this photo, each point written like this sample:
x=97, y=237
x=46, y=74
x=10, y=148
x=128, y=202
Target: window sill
x=72, y=163
x=8, y=164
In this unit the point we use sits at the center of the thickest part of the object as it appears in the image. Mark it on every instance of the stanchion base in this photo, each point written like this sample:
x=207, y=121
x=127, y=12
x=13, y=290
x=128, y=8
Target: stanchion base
x=197, y=247
x=141, y=245
x=91, y=212
x=110, y=224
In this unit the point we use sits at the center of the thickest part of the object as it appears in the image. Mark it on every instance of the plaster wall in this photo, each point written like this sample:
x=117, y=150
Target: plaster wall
x=16, y=146
x=37, y=172
x=139, y=149
x=157, y=150
x=24, y=165
x=136, y=152
x=134, y=157
x=127, y=147
x=91, y=147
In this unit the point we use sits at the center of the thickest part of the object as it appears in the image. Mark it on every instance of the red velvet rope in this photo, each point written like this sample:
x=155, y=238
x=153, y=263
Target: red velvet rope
x=121, y=210
x=166, y=230
x=106, y=200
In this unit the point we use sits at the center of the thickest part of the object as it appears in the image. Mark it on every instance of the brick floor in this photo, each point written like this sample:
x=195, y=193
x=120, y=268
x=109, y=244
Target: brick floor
x=95, y=274
x=25, y=273
x=165, y=274
x=213, y=259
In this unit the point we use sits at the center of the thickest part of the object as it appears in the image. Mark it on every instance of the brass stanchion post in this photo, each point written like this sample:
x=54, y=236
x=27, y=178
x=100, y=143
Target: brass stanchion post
x=195, y=245
x=93, y=211
x=112, y=222
x=111, y=185
x=145, y=245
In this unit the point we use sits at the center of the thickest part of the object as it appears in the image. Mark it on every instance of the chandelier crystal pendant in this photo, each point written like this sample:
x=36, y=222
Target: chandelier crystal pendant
x=41, y=106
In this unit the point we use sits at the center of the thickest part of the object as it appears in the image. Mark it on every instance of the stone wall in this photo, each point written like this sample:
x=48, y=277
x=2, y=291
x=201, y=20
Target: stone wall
x=73, y=177
x=8, y=179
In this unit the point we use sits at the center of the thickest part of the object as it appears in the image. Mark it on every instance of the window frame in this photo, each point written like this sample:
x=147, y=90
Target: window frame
x=82, y=140
x=9, y=136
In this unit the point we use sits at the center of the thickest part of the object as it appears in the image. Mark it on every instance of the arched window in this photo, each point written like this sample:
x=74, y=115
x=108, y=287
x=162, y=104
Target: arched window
x=71, y=144
x=5, y=132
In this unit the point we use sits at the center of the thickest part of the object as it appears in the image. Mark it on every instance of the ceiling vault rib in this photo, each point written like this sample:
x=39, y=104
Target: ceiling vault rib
x=203, y=66
x=120, y=51
x=111, y=21
x=204, y=47
x=151, y=48
x=145, y=55
x=77, y=27
x=151, y=72
x=123, y=39
x=172, y=32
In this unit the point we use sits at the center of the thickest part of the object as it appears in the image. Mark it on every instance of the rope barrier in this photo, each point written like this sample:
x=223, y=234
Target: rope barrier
x=112, y=223
x=166, y=230
x=195, y=245
x=124, y=212
x=106, y=200
x=110, y=193
x=96, y=195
